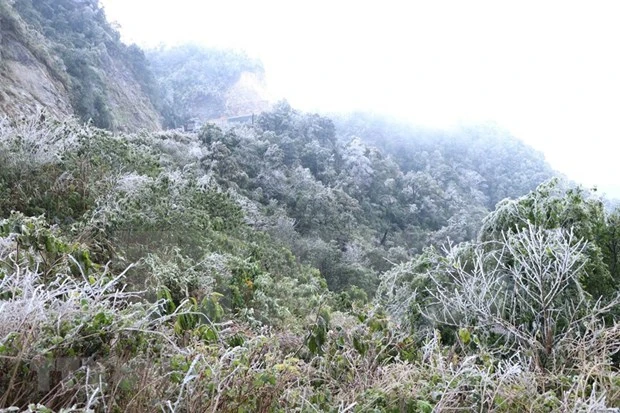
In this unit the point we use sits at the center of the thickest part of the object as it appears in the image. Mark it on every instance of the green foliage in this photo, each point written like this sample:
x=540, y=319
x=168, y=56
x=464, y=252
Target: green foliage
x=56, y=304
x=318, y=332
x=551, y=207
x=403, y=290
x=535, y=284
x=235, y=236
x=61, y=168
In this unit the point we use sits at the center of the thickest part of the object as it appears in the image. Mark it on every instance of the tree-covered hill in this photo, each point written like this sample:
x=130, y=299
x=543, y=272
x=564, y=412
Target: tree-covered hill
x=204, y=84
x=294, y=263
x=497, y=164
x=64, y=56
x=351, y=209
x=232, y=270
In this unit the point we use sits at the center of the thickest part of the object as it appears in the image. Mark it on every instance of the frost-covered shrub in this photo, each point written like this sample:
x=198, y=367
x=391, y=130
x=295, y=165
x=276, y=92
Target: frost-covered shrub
x=60, y=168
x=59, y=312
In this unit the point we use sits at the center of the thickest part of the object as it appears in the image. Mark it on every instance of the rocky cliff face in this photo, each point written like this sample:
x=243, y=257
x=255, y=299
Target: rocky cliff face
x=26, y=82
x=63, y=56
x=87, y=72
x=129, y=105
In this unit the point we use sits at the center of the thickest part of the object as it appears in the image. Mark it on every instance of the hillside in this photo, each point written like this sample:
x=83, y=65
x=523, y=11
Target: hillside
x=201, y=84
x=293, y=263
x=180, y=268
x=499, y=165
x=65, y=57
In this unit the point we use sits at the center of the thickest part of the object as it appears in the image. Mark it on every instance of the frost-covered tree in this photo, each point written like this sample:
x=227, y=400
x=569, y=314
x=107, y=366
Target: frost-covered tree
x=551, y=207
x=524, y=290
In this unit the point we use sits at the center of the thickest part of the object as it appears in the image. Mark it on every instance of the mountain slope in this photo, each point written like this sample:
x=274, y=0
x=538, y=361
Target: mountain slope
x=498, y=164
x=232, y=268
x=203, y=84
x=178, y=266
x=63, y=56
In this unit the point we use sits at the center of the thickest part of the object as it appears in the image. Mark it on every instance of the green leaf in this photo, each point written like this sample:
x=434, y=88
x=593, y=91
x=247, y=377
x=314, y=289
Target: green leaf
x=360, y=345
x=465, y=335
x=424, y=406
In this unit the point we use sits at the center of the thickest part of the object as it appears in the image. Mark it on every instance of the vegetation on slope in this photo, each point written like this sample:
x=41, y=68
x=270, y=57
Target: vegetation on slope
x=171, y=271
x=295, y=264
x=106, y=81
x=194, y=81
x=74, y=62
x=498, y=165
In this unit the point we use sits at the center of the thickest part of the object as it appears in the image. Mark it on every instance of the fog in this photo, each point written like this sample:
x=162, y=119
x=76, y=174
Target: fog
x=548, y=72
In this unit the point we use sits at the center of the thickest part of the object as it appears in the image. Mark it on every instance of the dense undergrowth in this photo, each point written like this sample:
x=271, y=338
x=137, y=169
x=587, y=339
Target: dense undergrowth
x=189, y=273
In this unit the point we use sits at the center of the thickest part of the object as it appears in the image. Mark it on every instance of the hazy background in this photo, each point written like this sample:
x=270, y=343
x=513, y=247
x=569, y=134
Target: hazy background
x=547, y=71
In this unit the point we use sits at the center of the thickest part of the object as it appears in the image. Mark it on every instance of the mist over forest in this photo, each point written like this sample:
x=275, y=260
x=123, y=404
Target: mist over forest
x=173, y=239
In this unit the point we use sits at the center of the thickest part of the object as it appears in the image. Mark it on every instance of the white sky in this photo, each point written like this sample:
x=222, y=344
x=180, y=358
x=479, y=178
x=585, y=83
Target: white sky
x=548, y=71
